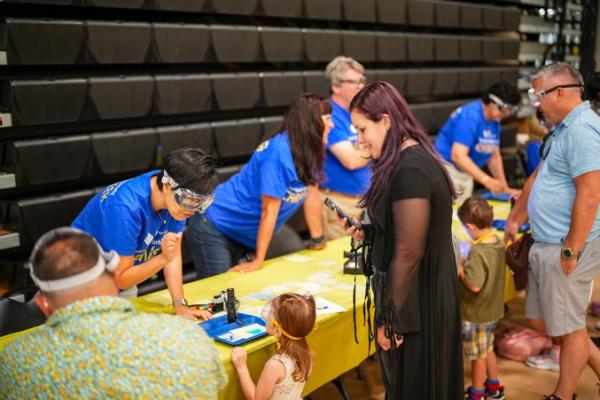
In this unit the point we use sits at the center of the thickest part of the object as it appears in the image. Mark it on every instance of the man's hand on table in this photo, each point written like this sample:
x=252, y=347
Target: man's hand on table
x=247, y=266
x=191, y=314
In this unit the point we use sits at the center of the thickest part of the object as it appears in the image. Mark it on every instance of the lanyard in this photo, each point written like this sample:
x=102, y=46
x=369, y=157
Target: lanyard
x=481, y=239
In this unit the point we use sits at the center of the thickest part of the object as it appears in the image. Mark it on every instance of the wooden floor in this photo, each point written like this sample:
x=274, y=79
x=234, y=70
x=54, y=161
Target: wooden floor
x=520, y=381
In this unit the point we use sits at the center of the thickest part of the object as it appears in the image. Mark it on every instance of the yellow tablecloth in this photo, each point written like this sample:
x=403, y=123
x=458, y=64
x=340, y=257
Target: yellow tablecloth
x=321, y=273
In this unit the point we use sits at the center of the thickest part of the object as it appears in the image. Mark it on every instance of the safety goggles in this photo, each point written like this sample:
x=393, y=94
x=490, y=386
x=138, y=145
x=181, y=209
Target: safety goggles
x=536, y=97
x=106, y=262
x=505, y=108
x=188, y=199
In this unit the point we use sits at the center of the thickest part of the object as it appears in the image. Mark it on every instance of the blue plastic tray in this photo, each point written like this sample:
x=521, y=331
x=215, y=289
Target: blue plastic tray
x=219, y=329
x=500, y=224
x=497, y=197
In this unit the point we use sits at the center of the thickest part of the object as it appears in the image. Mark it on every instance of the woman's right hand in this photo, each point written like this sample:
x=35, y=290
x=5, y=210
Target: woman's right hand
x=384, y=342
x=357, y=234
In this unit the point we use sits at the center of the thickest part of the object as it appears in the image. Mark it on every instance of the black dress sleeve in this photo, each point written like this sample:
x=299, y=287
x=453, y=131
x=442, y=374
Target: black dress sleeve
x=411, y=217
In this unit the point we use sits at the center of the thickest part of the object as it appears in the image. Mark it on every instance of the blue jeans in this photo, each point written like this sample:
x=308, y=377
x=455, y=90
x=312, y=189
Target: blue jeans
x=211, y=251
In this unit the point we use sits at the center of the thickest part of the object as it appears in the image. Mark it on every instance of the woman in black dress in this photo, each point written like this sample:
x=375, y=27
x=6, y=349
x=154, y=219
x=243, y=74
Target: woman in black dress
x=417, y=313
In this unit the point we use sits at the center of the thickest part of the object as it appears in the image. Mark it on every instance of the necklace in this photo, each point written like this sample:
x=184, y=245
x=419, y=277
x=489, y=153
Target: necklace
x=164, y=221
x=484, y=237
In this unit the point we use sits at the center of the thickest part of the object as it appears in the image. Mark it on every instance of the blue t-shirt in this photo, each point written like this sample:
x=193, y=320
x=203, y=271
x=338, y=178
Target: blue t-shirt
x=337, y=177
x=121, y=218
x=532, y=156
x=574, y=149
x=468, y=126
x=237, y=208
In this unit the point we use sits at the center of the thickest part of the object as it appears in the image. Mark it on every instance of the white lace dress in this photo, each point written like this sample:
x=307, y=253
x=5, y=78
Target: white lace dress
x=288, y=388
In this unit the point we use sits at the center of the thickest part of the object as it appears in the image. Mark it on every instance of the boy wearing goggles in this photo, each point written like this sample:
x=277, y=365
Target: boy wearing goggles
x=143, y=219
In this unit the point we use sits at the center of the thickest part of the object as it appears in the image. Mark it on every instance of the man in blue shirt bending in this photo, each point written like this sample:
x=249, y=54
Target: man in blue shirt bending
x=470, y=140
x=143, y=218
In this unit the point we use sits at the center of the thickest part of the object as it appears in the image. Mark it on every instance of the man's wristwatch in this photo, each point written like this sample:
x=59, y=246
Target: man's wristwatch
x=182, y=301
x=568, y=253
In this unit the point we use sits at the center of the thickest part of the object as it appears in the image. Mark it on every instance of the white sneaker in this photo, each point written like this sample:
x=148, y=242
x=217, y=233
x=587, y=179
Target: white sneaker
x=548, y=360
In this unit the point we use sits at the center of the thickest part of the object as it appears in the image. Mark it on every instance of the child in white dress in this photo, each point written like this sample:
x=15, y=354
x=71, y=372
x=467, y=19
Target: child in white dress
x=290, y=318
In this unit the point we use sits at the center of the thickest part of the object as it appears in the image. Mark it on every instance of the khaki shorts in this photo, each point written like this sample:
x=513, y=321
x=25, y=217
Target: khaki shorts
x=560, y=300
x=463, y=183
x=332, y=228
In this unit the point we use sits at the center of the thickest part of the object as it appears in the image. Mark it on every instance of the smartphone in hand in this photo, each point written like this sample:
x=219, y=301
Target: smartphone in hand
x=334, y=207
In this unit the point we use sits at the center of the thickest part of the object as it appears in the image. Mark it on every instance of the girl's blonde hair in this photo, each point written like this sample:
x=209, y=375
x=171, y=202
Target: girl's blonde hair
x=295, y=314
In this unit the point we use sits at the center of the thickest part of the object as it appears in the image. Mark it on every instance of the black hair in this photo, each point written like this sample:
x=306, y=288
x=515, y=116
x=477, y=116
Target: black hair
x=66, y=254
x=305, y=126
x=191, y=168
x=504, y=91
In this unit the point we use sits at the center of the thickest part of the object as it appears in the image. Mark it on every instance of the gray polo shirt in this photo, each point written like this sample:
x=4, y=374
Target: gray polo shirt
x=571, y=151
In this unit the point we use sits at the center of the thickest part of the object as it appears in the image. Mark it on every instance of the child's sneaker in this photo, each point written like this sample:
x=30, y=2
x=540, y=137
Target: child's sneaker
x=497, y=395
x=473, y=394
x=549, y=360
x=494, y=390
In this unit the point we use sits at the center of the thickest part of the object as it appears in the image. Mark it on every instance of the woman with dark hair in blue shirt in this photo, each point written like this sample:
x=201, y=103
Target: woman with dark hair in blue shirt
x=250, y=206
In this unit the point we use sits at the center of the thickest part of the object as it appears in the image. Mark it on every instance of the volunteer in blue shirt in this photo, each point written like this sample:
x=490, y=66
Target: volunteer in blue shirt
x=470, y=140
x=253, y=204
x=143, y=218
x=347, y=174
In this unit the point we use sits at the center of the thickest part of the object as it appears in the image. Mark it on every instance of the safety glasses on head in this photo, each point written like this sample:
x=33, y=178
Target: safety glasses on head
x=267, y=316
x=505, y=108
x=536, y=97
x=188, y=199
x=106, y=262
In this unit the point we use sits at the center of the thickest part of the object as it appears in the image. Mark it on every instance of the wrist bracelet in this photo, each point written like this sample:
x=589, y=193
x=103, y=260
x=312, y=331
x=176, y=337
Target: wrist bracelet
x=317, y=240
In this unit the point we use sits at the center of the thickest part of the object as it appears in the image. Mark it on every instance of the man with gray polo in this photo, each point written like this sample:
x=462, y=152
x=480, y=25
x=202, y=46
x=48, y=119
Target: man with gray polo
x=561, y=200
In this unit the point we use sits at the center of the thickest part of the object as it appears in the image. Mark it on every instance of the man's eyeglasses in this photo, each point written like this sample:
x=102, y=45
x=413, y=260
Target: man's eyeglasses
x=505, y=108
x=360, y=81
x=536, y=97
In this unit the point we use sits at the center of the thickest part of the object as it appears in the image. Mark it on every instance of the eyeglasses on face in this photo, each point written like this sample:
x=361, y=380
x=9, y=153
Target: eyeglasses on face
x=360, y=81
x=536, y=97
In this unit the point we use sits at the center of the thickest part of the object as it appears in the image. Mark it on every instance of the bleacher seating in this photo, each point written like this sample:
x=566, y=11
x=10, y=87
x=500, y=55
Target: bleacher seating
x=106, y=93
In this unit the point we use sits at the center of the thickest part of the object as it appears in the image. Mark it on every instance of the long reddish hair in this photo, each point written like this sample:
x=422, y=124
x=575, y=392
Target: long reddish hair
x=374, y=100
x=296, y=314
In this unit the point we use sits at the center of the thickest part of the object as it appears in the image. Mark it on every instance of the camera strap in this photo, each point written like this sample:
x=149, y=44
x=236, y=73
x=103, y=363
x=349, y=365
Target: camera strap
x=363, y=250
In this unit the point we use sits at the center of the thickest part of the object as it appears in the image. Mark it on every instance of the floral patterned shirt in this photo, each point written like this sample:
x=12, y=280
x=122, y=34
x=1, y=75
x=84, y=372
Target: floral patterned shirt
x=101, y=347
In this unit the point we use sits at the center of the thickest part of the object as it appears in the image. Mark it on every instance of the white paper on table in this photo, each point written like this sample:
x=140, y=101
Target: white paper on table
x=327, y=307
x=297, y=258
